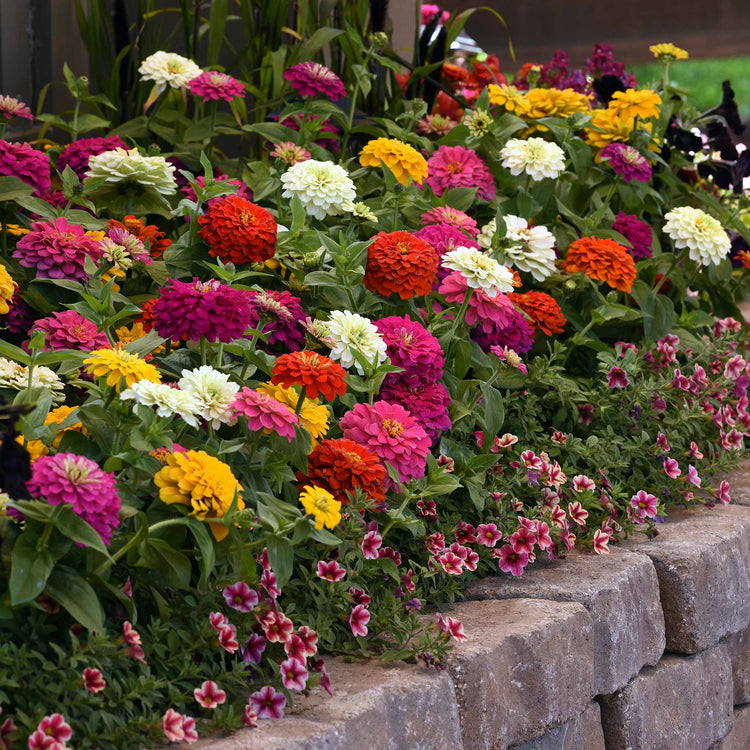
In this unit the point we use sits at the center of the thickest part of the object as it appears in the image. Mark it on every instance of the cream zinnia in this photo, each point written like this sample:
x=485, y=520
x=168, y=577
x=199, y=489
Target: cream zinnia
x=703, y=235
x=532, y=249
x=353, y=333
x=168, y=69
x=480, y=271
x=535, y=156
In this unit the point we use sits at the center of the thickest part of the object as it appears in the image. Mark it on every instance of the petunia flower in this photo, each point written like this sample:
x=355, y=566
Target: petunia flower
x=209, y=695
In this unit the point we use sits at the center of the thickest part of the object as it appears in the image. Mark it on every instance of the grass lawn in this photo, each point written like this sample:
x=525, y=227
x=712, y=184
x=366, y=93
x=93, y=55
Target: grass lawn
x=703, y=79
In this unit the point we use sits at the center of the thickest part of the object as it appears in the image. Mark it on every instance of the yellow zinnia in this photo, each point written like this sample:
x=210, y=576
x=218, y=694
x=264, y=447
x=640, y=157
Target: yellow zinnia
x=401, y=158
x=7, y=287
x=313, y=416
x=321, y=505
x=15, y=230
x=117, y=364
x=508, y=97
x=203, y=483
x=555, y=103
x=611, y=128
x=37, y=448
x=633, y=103
x=136, y=331
x=666, y=52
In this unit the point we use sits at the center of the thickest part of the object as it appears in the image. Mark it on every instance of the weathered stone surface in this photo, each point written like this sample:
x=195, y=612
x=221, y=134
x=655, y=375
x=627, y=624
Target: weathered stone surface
x=738, y=648
x=739, y=737
x=685, y=702
x=702, y=560
x=739, y=484
x=396, y=707
x=527, y=668
x=620, y=592
x=582, y=733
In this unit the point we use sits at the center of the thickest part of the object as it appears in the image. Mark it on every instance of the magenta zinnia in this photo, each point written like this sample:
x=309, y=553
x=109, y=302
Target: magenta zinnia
x=626, y=161
x=455, y=166
x=279, y=315
x=392, y=434
x=201, y=308
x=427, y=404
x=311, y=78
x=411, y=346
x=25, y=162
x=452, y=217
x=211, y=85
x=76, y=155
x=636, y=232
x=70, y=330
x=78, y=481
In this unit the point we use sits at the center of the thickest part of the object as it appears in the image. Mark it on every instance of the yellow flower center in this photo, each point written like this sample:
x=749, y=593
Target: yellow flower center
x=246, y=217
x=392, y=427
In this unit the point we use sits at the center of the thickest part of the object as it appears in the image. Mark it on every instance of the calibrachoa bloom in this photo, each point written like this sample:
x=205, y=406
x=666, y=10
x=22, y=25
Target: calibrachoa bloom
x=643, y=504
x=390, y=432
x=400, y=263
x=543, y=310
x=293, y=674
x=237, y=230
x=211, y=85
x=203, y=483
x=480, y=271
x=76, y=155
x=316, y=373
x=510, y=561
x=353, y=333
x=51, y=734
x=171, y=725
x=342, y=466
x=703, y=235
x=70, y=330
x=168, y=69
x=672, y=468
x=201, y=308
x=602, y=260
x=358, y=620
x=411, y=346
x=311, y=78
x=21, y=160
x=209, y=695
x=321, y=505
x=78, y=481
x=264, y=413
x=452, y=627
x=57, y=250
x=456, y=166
x=322, y=186
x=240, y=596
x=636, y=232
x=402, y=159
x=627, y=162
x=279, y=316
x=268, y=703
x=617, y=378
x=93, y=680
x=534, y=156
x=118, y=365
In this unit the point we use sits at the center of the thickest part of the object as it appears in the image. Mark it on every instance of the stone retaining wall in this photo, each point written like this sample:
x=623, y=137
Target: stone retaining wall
x=647, y=648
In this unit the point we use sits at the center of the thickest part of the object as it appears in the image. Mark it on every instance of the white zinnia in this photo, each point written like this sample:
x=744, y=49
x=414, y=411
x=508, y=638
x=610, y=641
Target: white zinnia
x=534, y=156
x=168, y=69
x=119, y=165
x=213, y=391
x=168, y=401
x=352, y=332
x=480, y=271
x=486, y=234
x=16, y=376
x=702, y=234
x=323, y=187
x=531, y=249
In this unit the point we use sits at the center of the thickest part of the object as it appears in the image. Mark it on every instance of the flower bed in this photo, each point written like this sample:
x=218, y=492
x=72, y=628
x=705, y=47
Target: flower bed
x=264, y=410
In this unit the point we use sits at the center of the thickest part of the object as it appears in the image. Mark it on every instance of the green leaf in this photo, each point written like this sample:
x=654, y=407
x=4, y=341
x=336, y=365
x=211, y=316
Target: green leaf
x=325, y=537
x=12, y=188
x=206, y=546
x=493, y=412
x=30, y=569
x=280, y=558
x=75, y=528
x=73, y=593
x=319, y=39
x=658, y=317
x=462, y=358
x=298, y=214
x=173, y=565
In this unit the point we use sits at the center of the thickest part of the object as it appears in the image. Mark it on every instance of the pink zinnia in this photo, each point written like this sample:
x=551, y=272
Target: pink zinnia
x=211, y=85
x=392, y=434
x=282, y=315
x=627, y=162
x=11, y=107
x=201, y=308
x=331, y=571
x=57, y=250
x=358, y=620
x=25, y=162
x=444, y=238
x=293, y=674
x=264, y=413
x=510, y=561
x=637, y=233
x=411, y=346
x=290, y=153
x=311, y=78
x=428, y=405
x=617, y=378
x=76, y=155
x=241, y=597
x=70, y=330
x=268, y=703
x=489, y=313
x=517, y=335
x=209, y=695
x=78, y=481
x=453, y=217
x=456, y=166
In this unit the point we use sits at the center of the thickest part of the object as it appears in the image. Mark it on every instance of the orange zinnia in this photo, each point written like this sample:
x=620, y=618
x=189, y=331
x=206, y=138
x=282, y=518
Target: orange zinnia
x=158, y=242
x=602, y=260
x=238, y=230
x=543, y=310
x=316, y=373
x=341, y=466
x=400, y=263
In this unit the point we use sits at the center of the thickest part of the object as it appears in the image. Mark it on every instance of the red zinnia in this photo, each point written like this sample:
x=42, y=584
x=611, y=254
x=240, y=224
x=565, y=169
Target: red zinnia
x=340, y=466
x=158, y=242
x=543, y=310
x=315, y=372
x=400, y=263
x=238, y=230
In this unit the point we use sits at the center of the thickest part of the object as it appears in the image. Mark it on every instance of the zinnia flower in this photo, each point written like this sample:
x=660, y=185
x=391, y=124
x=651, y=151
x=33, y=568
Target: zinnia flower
x=543, y=310
x=486, y=312
x=666, y=52
x=321, y=505
x=508, y=97
x=402, y=159
x=703, y=235
x=7, y=289
x=203, y=483
x=279, y=316
x=353, y=333
x=211, y=85
x=311, y=78
x=290, y=153
x=390, y=432
x=118, y=364
x=70, y=330
x=411, y=346
x=78, y=481
x=531, y=249
x=20, y=316
x=322, y=186
x=238, y=230
x=316, y=373
x=627, y=162
x=342, y=466
x=168, y=69
x=610, y=128
x=456, y=166
x=264, y=413
x=400, y=263
x=169, y=401
x=631, y=103
x=427, y=403
x=444, y=238
x=535, y=157
x=452, y=217
x=210, y=309
x=11, y=107
x=553, y=102
x=57, y=250
x=76, y=155
x=636, y=232
x=602, y=260
x=213, y=391
x=516, y=334
x=480, y=271
x=25, y=162
x=312, y=415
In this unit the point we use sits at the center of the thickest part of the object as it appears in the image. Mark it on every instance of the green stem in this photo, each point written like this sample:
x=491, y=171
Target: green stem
x=74, y=134
x=301, y=400
x=461, y=314
x=399, y=513
x=395, y=211
x=211, y=127
x=353, y=108
x=204, y=350
x=665, y=276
